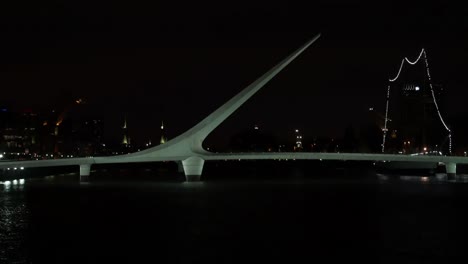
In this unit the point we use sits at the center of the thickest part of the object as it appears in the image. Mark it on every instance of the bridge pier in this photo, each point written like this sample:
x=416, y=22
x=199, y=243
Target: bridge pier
x=180, y=167
x=451, y=170
x=85, y=170
x=193, y=168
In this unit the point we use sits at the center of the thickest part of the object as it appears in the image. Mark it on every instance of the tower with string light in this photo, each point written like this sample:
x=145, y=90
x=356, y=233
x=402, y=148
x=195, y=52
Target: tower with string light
x=414, y=122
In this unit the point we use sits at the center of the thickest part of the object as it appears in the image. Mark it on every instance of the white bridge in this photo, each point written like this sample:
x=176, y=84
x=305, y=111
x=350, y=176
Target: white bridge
x=188, y=149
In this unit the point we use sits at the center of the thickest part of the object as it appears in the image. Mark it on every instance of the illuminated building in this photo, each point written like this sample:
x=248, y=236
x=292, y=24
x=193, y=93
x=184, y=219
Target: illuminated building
x=18, y=132
x=298, y=140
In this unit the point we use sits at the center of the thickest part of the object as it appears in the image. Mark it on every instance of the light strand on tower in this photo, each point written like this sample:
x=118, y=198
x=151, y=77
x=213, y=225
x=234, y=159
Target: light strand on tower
x=386, y=119
x=436, y=105
x=403, y=62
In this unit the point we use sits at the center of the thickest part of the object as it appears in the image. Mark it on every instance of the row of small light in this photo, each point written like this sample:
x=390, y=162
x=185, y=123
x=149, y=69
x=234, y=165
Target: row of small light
x=36, y=155
x=15, y=168
x=423, y=52
x=20, y=181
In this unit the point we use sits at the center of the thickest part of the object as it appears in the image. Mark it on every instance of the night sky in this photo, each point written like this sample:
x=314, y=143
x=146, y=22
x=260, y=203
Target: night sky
x=179, y=61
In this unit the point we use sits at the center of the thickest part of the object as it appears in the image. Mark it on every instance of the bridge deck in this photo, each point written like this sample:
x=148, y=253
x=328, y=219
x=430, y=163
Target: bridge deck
x=237, y=156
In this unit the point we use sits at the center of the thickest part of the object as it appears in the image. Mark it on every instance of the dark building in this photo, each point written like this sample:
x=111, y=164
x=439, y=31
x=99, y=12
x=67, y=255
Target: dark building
x=87, y=137
x=370, y=132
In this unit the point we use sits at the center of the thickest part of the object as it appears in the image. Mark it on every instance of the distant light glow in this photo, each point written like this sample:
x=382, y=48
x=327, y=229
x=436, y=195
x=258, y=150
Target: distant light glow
x=22, y=168
x=21, y=181
x=416, y=88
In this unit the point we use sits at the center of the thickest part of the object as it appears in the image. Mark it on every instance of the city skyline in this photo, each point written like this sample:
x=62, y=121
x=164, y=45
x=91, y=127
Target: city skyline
x=156, y=66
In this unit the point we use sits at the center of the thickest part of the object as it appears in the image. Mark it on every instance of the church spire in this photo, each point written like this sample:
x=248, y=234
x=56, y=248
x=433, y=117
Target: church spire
x=125, y=138
x=163, y=136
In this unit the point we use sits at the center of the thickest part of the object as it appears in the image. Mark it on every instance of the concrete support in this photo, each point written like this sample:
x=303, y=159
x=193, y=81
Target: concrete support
x=451, y=169
x=85, y=170
x=193, y=167
x=180, y=167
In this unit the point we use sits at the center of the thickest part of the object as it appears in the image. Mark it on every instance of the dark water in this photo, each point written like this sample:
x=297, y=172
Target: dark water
x=14, y=219
x=374, y=219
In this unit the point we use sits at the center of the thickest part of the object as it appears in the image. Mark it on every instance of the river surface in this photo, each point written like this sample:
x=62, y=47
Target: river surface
x=381, y=219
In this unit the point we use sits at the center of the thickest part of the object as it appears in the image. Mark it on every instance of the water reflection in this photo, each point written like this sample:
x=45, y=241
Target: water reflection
x=439, y=177
x=13, y=222
x=12, y=185
x=462, y=178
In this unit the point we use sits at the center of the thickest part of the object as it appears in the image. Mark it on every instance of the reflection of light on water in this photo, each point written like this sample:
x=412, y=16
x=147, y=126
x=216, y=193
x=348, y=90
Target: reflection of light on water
x=462, y=177
x=7, y=185
x=407, y=178
x=415, y=178
x=13, y=223
x=383, y=177
x=441, y=176
x=17, y=184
